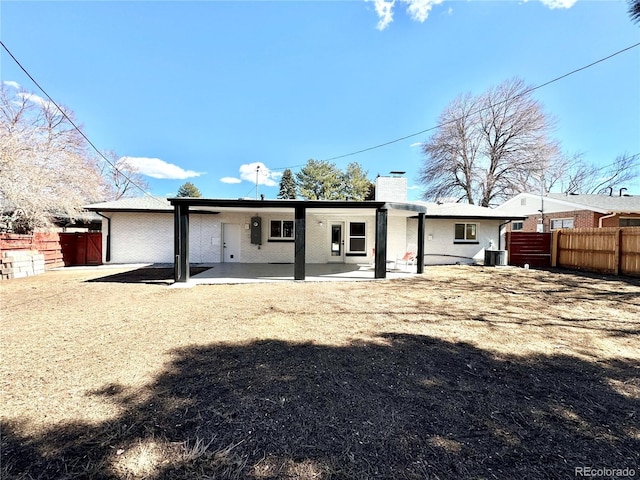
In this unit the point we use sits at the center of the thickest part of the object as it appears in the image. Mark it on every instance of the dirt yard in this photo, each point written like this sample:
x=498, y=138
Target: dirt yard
x=463, y=373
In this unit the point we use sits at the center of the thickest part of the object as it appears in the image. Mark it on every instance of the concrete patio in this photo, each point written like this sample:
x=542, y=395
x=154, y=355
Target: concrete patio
x=230, y=273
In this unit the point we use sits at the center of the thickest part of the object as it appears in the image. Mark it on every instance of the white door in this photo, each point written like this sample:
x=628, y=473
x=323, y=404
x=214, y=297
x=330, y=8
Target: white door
x=336, y=243
x=230, y=242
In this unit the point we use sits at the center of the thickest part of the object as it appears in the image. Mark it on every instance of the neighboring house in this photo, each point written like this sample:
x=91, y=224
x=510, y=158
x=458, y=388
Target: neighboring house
x=84, y=222
x=150, y=229
x=553, y=211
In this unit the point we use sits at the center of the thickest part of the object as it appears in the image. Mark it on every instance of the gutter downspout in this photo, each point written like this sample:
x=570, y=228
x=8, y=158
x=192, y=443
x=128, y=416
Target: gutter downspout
x=107, y=256
x=606, y=216
x=499, y=236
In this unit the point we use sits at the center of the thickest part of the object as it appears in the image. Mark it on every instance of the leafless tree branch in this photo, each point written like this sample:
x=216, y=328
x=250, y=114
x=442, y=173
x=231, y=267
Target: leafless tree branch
x=45, y=166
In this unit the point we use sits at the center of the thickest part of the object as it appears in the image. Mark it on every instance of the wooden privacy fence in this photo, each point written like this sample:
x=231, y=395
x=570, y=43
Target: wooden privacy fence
x=604, y=250
x=24, y=255
x=46, y=243
x=83, y=248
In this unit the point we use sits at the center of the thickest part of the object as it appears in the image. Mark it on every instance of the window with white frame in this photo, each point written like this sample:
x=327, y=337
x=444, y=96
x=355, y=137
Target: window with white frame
x=557, y=223
x=357, y=241
x=281, y=230
x=517, y=226
x=466, y=232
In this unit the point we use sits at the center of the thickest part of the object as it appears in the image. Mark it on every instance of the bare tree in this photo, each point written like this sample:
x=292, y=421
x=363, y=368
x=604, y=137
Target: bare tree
x=122, y=179
x=634, y=10
x=583, y=177
x=489, y=147
x=45, y=167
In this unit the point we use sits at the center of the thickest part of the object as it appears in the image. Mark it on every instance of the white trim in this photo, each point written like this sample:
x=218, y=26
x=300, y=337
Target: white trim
x=551, y=227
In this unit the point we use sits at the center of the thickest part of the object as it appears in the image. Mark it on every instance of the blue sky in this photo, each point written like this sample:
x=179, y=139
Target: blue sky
x=202, y=91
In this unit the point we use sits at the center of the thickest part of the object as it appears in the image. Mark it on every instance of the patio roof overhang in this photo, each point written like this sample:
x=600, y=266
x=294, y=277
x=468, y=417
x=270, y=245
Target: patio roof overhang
x=319, y=206
x=182, y=206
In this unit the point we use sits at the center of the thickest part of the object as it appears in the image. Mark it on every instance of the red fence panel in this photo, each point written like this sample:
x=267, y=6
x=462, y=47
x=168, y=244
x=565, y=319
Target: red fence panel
x=81, y=248
x=529, y=248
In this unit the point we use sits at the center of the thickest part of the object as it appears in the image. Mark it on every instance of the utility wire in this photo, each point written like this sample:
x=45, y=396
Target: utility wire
x=64, y=114
x=525, y=92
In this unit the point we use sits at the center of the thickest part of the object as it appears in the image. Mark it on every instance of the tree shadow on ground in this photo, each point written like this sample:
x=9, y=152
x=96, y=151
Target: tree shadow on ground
x=579, y=278
x=406, y=406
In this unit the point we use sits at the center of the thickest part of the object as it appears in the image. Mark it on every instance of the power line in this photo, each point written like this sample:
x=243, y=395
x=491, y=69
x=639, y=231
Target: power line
x=64, y=114
x=525, y=92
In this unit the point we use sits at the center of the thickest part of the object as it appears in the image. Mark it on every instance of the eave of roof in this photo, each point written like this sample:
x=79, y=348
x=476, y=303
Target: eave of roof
x=479, y=217
x=596, y=203
x=311, y=204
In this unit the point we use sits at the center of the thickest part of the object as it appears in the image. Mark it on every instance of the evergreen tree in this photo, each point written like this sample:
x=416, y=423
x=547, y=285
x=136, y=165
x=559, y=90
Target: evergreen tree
x=355, y=182
x=320, y=180
x=189, y=190
x=287, y=186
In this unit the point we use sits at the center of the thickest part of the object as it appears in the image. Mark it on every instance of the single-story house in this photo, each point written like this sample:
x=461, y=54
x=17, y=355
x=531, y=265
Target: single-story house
x=460, y=233
x=553, y=211
x=200, y=230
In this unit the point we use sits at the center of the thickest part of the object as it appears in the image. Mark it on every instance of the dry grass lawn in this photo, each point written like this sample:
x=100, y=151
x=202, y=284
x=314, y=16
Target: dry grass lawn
x=465, y=372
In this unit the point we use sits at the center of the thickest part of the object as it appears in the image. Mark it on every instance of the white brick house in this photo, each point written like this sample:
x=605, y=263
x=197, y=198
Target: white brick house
x=141, y=230
x=459, y=232
x=144, y=230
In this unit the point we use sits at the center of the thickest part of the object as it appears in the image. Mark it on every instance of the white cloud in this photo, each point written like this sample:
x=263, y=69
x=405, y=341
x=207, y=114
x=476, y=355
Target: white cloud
x=12, y=84
x=558, y=3
x=416, y=144
x=156, y=168
x=384, y=9
x=259, y=171
x=419, y=9
x=230, y=180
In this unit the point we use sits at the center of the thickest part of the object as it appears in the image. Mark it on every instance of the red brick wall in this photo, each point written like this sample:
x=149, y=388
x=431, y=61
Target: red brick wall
x=581, y=219
x=610, y=222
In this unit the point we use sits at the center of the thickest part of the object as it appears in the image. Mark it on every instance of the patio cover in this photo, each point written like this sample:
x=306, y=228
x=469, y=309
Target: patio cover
x=181, y=226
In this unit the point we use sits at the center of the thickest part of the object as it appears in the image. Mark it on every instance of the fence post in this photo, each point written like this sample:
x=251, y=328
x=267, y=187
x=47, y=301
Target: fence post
x=616, y=254
x=555, y=239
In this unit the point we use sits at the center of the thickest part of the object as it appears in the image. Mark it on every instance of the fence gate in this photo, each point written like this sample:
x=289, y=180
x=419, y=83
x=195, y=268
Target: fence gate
x=529, y=248
x=81, y=248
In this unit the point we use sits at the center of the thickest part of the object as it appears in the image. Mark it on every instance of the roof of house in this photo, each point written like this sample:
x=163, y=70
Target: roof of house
x=622, y=204
x=433, y=210
x=465, y=210
x=137, y=204
x=213, y=205
x=560, y=202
